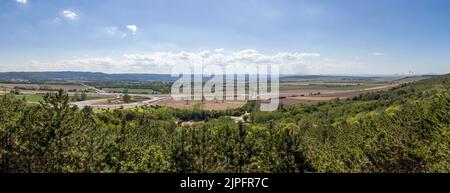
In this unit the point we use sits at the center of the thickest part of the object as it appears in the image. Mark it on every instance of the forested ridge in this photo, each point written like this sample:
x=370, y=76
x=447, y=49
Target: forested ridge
x=406, y=129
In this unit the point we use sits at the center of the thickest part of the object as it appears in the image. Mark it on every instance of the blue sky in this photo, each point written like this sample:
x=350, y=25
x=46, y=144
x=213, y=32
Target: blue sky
x=314, y=37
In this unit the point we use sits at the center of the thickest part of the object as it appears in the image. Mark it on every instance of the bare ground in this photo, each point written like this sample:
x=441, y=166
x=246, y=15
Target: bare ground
x=291, y=99
x=207, y=105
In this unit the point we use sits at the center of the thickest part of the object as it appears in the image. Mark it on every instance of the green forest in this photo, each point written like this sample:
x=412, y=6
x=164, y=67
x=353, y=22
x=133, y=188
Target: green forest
x=405, y=129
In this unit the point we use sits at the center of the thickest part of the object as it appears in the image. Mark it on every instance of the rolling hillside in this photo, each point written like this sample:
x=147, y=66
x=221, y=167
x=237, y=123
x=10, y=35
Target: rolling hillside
x=79, y=76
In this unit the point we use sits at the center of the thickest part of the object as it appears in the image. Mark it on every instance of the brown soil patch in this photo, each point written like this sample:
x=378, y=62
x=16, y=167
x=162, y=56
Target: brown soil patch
x=207, y=105
x=329, y=95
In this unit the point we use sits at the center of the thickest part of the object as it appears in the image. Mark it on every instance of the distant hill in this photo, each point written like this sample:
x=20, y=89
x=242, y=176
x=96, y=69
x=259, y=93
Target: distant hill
x=73, y=76
x=69, y=76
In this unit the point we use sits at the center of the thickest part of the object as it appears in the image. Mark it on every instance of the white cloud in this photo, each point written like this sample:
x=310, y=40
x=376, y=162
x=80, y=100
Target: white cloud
x=132, y=28
x=21, y=1
x=162, y=62
x=70, y=14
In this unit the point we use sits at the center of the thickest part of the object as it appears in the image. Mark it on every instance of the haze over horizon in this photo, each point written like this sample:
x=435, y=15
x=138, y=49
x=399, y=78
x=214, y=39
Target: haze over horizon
x=304, y=37
x=281, y=74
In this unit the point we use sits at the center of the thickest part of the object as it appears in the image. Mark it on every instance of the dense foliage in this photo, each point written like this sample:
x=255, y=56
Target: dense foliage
x=406, y=129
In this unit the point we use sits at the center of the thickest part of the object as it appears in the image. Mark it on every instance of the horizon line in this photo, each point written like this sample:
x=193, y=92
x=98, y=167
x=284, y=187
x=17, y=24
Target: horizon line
x=295, y=74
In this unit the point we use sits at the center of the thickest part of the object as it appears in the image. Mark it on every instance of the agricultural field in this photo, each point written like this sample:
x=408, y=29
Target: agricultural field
x=130, y=90
x=206, y=105
x=35, y=98
x=316, y=96
x=43, y=87
x=119, y=101
x=315, y=90
x=309, y=91
x=326, y=86
x=34, y=93
x=31, y=98
x=293, y=90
